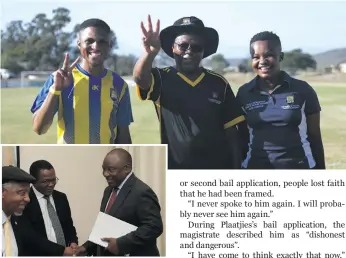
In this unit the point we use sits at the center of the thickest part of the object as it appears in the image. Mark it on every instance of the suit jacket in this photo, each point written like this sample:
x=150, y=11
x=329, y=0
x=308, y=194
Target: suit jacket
x=27, y=238
x=33, y=213
x=138, y=205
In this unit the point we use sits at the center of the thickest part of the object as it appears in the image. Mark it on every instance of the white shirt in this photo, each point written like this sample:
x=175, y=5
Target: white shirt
x=47, y=222
x=119, y=187
x=14, y=247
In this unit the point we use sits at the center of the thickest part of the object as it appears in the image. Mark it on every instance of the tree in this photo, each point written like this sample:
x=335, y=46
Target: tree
x=163, y=60
x=13, y=46
x=125, y=64
x=245, y=66
x=218, y=63
x=298, y=60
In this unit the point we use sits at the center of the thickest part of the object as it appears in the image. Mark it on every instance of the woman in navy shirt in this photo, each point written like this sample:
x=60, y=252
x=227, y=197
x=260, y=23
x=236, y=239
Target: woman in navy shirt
x=282, y=128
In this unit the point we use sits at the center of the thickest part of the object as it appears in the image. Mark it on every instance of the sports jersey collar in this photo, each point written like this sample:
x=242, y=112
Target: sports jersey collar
x=90, y=75
x=254, y=82
x=187, y=80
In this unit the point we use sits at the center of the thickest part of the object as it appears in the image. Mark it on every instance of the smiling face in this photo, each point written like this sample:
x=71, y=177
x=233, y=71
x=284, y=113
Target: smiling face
x=115, y=169
x=94, y=44
x=15, y=196
x=188, y=52
x=266, y=58
x=46, y=181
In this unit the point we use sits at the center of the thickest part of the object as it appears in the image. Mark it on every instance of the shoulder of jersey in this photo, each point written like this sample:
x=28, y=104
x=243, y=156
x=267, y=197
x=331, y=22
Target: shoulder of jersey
x=299, y=82
x=216, y=75
x=115, y=75
x=166, y=69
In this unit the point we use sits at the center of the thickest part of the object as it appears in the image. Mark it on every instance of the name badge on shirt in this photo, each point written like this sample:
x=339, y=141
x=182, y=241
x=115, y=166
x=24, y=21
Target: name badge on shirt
x=290, y=103
x=290, y=99
x=214, y=98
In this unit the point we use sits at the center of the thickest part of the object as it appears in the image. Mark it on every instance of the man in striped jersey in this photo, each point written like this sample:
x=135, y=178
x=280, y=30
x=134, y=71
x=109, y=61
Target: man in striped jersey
x=196, y=107
x=93, y=103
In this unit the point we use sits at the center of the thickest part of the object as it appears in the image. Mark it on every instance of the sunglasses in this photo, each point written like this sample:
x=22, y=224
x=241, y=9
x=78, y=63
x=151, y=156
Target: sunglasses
x=193, y=47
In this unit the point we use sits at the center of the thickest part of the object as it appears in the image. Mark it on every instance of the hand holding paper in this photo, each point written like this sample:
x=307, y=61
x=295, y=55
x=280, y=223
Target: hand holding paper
x=112, y=244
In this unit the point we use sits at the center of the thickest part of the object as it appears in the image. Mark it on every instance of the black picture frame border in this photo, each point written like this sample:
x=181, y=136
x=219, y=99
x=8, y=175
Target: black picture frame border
x=18, y=156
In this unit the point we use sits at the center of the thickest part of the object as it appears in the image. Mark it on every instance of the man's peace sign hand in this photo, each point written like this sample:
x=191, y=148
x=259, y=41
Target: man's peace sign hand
x=63, y=76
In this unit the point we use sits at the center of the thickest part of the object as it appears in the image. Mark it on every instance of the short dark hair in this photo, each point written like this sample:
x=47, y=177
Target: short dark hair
x=124, y=154
x=266, y=35
x=37, y=166
x=95, y=23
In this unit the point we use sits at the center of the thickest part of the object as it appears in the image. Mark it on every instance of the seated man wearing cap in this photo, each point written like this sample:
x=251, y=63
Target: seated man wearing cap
x=15, y=196
x=196, y=107
x=17, y=233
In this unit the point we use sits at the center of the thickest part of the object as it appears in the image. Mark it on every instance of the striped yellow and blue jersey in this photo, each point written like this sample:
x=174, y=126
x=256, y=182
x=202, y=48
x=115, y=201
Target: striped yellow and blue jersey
x=91, y=108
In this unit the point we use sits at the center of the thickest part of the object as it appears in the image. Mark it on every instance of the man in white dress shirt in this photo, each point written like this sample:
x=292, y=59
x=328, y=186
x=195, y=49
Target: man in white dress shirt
x=15, y=196
x=49, y=211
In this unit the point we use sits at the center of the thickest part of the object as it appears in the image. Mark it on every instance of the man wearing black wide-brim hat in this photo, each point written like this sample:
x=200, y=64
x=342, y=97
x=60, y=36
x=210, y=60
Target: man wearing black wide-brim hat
x=196, y=107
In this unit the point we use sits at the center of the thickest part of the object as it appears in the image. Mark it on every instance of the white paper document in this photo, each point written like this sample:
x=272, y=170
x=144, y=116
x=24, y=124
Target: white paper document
x=108, y=226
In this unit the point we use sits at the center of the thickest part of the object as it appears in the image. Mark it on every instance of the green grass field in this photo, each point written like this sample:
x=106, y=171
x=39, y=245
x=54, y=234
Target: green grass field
x=17, y=128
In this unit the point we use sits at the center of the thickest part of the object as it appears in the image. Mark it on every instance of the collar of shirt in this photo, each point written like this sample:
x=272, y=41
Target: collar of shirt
x=123, y=182
x=253, y=84
x=39, y=195
x=4, y=217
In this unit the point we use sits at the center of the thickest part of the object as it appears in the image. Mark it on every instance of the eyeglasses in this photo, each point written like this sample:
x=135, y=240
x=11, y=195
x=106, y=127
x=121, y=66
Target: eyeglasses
x=48, y=181
x=196, y=48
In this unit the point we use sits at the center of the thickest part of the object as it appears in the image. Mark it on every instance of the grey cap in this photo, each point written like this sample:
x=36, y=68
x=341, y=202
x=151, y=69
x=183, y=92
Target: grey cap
x=11, y=173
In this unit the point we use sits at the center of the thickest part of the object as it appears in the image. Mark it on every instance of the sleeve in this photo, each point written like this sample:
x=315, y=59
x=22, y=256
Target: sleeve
x=312, y=104
x=72, y=235
x=151, y=226
x=231, y=110
x=36, y=243
x=91, y=248
x=243, y=130
x=41, y=96
x=124, y=113
x=153, y=93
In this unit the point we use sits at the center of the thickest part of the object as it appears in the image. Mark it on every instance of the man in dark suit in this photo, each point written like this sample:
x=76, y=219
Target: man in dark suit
x=15, y=196
x=131, y=200
x=17, y=232
x=49, y=211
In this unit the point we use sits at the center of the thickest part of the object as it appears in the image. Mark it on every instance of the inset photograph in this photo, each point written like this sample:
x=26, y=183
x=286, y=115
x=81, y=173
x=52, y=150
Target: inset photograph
x=84, y=200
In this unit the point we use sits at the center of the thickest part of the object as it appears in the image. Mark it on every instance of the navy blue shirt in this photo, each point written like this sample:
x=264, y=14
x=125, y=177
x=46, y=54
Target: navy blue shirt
x=277, y=124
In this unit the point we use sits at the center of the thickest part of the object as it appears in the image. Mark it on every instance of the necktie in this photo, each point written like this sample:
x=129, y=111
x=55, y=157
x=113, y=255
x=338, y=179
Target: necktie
x=59, y=233
x=111, y=200
x=7, y=233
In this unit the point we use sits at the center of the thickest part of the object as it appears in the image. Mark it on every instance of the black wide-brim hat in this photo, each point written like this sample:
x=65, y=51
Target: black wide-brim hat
x=189, y=25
